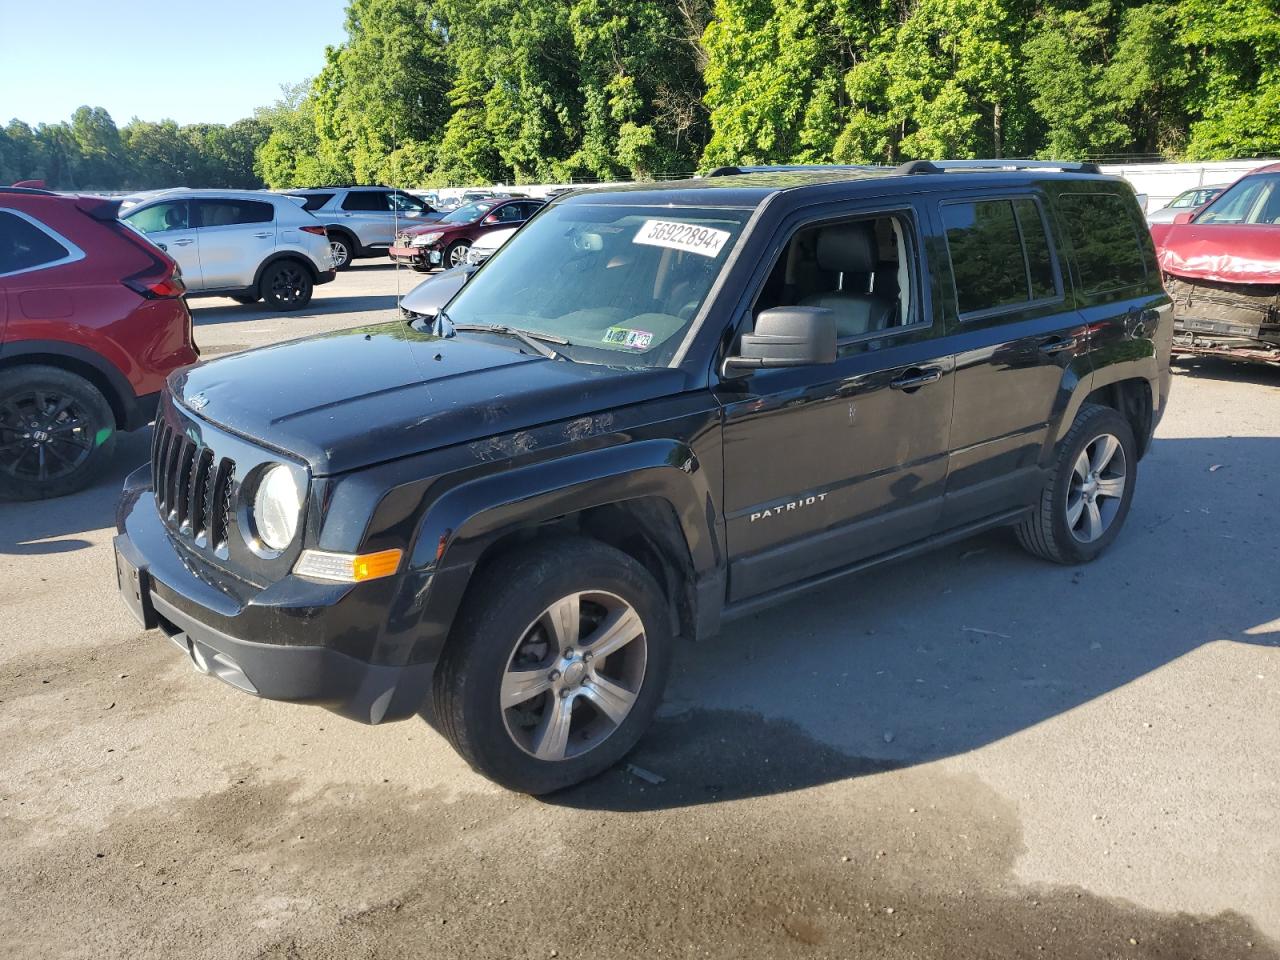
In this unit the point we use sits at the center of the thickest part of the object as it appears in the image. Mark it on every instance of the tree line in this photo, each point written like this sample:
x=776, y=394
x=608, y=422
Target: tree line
x=437, y=92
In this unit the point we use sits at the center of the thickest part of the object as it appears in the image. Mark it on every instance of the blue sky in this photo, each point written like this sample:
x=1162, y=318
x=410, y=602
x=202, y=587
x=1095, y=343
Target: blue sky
x=188, y=60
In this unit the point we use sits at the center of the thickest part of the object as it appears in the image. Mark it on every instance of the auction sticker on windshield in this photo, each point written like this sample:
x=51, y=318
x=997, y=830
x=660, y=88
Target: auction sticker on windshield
x=688, y=237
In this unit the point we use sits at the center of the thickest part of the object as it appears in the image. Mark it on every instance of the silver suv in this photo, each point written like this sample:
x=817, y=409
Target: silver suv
x=245, y=244
x=362, y=221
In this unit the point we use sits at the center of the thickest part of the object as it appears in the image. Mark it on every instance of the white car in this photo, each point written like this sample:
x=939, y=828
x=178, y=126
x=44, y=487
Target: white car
x=1188, y=200
x=484, y=246
x=244, y=244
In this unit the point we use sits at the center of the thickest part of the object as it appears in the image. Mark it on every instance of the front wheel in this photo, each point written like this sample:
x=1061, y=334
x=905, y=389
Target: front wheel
x=456, y=255
x=286, y=285
x=555, y=666
x=57, y=432
x=1086, y=500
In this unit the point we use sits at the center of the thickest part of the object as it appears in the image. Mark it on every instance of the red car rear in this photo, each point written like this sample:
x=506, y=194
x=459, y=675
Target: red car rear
x=1222, y=268
x=92, y=321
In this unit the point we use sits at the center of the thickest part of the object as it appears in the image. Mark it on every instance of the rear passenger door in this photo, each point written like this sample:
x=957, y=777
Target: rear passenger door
x=368, y=214
x=1019, y=345
x=235, y=237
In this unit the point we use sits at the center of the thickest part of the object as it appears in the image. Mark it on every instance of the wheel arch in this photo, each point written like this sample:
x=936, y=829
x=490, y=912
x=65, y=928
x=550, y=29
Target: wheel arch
x=279, y=257
x=1134, y=399
x=649, y=499
x=110, y=382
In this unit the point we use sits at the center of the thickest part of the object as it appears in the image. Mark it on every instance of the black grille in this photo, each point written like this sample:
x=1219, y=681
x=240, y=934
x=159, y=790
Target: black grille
x=192, y=486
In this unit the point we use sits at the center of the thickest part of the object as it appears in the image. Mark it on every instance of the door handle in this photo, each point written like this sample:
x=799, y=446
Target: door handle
x=182, y=243
x=262, y=236
x=1058, y=344
x=916, y=380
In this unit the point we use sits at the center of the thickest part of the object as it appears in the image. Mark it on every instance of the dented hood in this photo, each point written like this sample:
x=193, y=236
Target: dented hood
x=1226, y=253
x=350, y=399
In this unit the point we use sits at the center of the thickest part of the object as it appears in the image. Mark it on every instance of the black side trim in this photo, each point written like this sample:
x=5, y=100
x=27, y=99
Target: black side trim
x=755, y=604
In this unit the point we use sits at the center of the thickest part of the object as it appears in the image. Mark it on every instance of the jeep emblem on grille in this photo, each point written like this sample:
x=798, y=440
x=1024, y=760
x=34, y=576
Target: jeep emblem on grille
x=198, y=402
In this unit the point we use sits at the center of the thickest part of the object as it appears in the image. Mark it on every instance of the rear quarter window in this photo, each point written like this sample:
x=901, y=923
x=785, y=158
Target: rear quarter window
x=1109, y=253
x=313, y=201
x=24, y=246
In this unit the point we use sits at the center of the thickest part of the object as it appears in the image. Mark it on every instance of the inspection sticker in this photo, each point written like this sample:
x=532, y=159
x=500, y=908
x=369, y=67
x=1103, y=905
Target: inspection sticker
x=682, y=236
x=626, y=337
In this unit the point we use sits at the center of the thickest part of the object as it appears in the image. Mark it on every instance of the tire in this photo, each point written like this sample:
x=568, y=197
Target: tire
x=247, y=299
x=1064, y=528
x=343, y=249
x=286, y=285
x=506, y=624
x=454, y=254
x=78, y=439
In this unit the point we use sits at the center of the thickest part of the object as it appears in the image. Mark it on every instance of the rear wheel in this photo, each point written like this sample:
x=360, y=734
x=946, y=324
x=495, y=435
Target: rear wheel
x=342, y=249
x=57, y=433
x=555, y=666
x=286, y=285
x=1084, y=505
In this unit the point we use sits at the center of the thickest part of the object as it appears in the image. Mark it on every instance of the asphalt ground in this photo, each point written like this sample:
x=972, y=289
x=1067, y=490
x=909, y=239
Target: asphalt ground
x=972, y=754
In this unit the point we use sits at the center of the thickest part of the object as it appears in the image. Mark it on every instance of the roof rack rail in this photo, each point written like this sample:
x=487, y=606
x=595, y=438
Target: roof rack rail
x=733, y=171
x=942, y=166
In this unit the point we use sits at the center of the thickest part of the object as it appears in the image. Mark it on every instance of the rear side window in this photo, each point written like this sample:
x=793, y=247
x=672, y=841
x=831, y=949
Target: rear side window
x=1104, y=237
x=228, y=213
x=1000, y=254
x=313, y=201
x=365, y=200
x=24, y=246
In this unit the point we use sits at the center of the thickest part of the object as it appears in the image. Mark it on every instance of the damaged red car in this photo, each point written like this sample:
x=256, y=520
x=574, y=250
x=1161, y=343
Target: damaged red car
x=1221, y=266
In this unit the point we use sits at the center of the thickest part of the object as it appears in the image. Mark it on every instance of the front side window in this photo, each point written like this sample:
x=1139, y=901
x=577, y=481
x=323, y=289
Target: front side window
x=229, y=213
x=24, y=246
x=1254, y=199
x=862, y=269
x=620, y=284
x=160, y=217
x=1000, y=254
x=1104, y=238
x=366, y=200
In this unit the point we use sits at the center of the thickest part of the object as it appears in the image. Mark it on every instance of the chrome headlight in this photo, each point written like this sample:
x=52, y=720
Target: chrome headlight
x=426, y=239
x=277, y=507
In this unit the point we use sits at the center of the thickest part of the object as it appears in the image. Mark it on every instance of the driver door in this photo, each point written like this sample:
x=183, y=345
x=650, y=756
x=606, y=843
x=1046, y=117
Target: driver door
x=171, y=227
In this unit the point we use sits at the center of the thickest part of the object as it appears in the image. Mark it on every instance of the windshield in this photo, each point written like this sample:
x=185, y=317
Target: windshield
x=620, y=284
x=1255, y=199
x=468, y=214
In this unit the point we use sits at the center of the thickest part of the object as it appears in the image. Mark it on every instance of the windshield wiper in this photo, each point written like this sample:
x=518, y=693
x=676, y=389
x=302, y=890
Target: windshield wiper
x=530, y=338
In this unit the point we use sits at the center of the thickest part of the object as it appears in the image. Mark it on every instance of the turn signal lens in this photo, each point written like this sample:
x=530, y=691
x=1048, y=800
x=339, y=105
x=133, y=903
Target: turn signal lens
x=348, y=567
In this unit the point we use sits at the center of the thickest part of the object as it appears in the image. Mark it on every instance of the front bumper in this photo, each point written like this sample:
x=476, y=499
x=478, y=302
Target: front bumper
x=416, y=256
x=278, y=643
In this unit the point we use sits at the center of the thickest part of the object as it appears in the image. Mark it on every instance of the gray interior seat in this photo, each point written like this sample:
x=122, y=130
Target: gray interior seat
x=850, y=250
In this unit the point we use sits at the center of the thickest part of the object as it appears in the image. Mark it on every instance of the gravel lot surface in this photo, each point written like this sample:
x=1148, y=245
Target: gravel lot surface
x=972, y=754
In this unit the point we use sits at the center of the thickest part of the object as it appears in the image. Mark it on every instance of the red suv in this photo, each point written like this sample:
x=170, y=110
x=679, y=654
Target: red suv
x=92, y=321
x=444, y=243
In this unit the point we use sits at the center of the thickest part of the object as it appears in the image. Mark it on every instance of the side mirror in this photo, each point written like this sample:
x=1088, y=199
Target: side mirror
x=491, y=218
x=413, y=213
x=787, y=337
x=1184, y=217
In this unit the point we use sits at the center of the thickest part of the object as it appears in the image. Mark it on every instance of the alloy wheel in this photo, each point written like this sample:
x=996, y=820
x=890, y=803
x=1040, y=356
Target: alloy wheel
x=287, y=284
x=574, y=675
x=340, y=254
x=458, y=255
x=1097, y=487
x=44, y=435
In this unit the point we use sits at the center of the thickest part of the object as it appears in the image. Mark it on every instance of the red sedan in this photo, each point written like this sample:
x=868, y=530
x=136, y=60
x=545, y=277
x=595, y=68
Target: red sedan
x=92, y=321
x=445, y=242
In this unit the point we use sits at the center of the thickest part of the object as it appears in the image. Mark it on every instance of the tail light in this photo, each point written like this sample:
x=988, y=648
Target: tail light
x=158, y=286
x=319, y=231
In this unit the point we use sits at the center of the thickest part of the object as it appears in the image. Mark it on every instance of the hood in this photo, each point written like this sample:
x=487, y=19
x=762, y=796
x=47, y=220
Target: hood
x=435, y=291
x=357, y=397
x=1224, y=253
x=420, y=227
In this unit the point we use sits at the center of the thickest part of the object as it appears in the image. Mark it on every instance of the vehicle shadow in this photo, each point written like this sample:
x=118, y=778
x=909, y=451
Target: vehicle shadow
x=220, y=311
x=1227, y=371
x=938, y=656
x=55, y=526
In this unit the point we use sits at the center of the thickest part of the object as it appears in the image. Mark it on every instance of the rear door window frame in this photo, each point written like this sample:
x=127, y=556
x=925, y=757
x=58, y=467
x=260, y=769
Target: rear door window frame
x=73, y=253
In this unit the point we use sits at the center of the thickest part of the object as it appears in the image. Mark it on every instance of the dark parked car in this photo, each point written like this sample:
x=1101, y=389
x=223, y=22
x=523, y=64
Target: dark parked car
x=656, y=409
x=91, y=322
x=445, y=242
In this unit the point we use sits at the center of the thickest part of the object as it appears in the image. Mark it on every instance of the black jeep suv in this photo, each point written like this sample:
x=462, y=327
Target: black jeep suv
x=656, y=408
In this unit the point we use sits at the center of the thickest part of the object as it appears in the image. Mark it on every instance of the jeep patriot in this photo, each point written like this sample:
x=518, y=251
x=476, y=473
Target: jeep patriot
x=656, y=408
